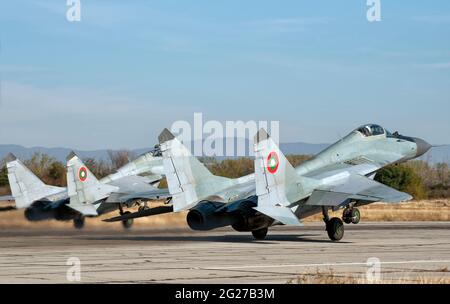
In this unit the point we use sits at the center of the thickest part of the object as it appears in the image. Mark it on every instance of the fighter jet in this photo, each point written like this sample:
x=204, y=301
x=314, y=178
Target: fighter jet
x=92, y=197
x=42, y=202
x=340, y=177
x=190, y=183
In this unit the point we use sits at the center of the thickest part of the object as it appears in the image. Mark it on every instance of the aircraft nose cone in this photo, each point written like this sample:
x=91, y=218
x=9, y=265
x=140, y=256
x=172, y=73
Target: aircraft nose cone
x=422, y=146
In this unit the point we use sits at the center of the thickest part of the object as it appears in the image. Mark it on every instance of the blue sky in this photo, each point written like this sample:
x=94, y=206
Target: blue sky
x=131, y=68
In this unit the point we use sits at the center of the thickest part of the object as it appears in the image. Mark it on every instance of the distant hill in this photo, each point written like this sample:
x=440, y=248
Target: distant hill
x=439, y=154
x=58, y=153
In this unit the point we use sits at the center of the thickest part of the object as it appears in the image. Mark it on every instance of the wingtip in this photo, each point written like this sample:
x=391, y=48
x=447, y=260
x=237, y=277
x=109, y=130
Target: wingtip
x=71, y=155
x=10, y=157
x=261, y=135
x=165, y=136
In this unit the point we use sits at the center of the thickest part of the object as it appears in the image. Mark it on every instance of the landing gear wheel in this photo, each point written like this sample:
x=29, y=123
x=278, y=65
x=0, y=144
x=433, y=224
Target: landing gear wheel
x=78, y=223
x=347, y=216
x=260, y=234
x=356, y=216
x=335, y=229
x=127, y=224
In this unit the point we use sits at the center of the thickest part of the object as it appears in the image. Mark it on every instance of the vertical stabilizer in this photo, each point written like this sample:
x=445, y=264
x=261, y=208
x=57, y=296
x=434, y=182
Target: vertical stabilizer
x=276, y=180
x=189, y=181
x=83, y=187
x=26, y=187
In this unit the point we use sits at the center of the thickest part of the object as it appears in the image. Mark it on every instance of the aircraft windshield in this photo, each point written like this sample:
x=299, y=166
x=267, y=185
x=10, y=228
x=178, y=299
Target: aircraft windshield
x=371, y=130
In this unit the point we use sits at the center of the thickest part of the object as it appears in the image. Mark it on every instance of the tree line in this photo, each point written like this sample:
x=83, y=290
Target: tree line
x=53, y=172
x=419, y=178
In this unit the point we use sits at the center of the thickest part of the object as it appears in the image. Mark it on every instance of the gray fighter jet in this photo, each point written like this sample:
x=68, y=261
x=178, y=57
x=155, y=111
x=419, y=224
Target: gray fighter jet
x=340, y=177
x=85, y=195
x=92, y=197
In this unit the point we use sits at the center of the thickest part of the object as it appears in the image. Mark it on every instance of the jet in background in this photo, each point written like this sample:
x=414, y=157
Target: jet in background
x=340, y=177
x=43, y=202
x=92, y=197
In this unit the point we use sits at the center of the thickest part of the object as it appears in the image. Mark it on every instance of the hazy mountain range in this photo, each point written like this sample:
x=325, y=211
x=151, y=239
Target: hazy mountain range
x=438, y=154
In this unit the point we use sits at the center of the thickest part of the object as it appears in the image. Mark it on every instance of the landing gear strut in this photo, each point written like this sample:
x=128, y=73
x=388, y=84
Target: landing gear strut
x=260, y=234
x=334, y=226
x=78, y=222
x=351, y=215
x=143, y=207
x=127, y=224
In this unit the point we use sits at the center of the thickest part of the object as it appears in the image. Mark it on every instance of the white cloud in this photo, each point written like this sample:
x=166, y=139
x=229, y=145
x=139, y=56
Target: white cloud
x=23, y=68
x=434, y=66
x=79, y=118
x=433, y=19
x=288, y=25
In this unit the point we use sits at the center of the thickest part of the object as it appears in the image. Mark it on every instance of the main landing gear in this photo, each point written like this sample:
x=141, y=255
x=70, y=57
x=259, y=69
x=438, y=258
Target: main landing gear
x=334, y=226
x=351, y=215
x=78, y=222
x=127, y=224
x=260, y=234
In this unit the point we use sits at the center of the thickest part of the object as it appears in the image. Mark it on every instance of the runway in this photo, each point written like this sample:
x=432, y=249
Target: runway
x=412, y=249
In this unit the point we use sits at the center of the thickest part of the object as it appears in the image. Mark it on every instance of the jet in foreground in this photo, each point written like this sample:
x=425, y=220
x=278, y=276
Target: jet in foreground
x=340, y=177
x=85, y=195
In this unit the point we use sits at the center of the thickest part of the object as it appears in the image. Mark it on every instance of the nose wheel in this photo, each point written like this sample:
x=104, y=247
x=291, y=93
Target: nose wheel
x=351, y=216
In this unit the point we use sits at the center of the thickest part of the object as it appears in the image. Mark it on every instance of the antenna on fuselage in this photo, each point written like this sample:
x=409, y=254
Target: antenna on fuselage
x=340, y=136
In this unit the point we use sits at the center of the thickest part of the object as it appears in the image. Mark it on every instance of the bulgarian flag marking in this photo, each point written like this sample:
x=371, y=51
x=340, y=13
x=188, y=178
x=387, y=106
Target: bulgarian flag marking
x=273, y=162
x=82, y=174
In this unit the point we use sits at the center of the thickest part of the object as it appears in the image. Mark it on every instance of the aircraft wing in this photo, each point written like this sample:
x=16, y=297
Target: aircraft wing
x=154, y=194
x=356, y=187
x=139, y=214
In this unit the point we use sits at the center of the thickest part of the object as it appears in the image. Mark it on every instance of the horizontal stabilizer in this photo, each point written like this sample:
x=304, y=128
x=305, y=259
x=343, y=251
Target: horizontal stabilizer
x=86, y=209
x=281, y=214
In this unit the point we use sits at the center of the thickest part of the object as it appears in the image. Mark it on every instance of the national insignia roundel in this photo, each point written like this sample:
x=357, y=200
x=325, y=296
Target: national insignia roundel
x=273, y=162
x=82, y=174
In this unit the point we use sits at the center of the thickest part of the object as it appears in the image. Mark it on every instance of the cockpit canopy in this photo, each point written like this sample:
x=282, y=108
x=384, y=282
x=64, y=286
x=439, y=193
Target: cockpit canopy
x=371, y=130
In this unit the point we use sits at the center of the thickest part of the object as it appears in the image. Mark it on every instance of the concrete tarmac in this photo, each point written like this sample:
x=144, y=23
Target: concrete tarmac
x=405, y=250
